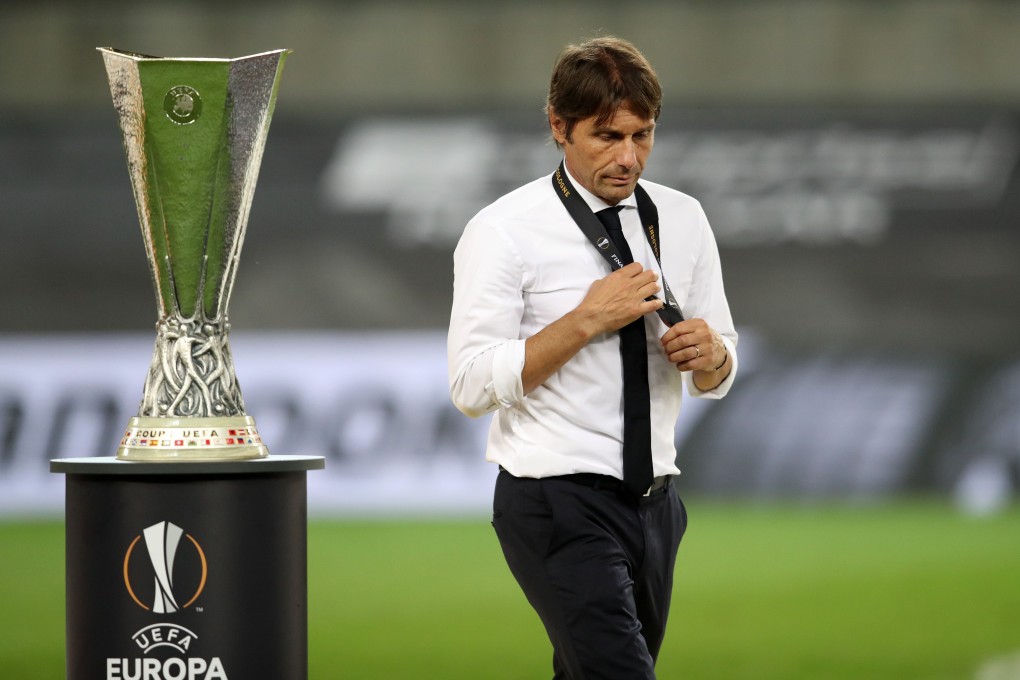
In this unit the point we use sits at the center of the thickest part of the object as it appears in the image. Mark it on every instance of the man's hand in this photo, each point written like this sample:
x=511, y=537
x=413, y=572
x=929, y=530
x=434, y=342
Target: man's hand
x=610, y=304
x=616, y=300
x=693, y=345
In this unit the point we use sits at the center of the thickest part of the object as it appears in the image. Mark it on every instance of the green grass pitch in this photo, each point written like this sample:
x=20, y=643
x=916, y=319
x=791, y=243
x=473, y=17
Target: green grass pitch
x=901, y=591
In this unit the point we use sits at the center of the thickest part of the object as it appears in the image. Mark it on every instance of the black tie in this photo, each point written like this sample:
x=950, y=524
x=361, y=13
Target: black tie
x=637, y=424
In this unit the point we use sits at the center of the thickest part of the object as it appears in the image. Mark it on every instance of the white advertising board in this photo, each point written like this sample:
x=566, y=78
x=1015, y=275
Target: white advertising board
x=375, y=405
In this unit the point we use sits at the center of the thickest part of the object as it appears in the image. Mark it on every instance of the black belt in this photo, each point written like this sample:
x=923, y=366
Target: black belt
x=608, y=483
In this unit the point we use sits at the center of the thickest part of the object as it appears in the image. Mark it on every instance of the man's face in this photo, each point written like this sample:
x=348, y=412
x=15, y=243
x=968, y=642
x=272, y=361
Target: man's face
x=607, y=159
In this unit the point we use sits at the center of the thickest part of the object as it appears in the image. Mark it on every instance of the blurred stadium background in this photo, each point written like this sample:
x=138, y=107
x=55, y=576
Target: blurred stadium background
x=858, y=161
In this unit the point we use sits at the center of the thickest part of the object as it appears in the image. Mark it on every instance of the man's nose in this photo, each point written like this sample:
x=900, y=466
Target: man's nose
x=626, y=153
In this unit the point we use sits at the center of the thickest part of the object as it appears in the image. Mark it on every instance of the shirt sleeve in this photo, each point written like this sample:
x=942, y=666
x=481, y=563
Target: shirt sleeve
x=485, y=354
x=708, y=301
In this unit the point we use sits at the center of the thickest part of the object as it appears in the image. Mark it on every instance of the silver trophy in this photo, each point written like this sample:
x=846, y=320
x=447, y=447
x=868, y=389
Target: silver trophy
x=194, y=131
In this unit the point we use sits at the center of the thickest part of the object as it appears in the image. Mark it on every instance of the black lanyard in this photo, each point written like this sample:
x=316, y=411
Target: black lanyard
x=592, y=228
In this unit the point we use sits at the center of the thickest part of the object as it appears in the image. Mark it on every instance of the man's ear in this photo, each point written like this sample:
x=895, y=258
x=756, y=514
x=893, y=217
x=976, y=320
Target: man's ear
x=558, y=126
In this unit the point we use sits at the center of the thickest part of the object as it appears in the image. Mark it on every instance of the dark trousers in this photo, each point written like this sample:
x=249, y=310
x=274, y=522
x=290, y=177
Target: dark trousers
x=596, y=565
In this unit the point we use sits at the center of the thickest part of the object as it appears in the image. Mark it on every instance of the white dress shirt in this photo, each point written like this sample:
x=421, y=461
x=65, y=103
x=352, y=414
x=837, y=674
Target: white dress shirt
x=521, y=264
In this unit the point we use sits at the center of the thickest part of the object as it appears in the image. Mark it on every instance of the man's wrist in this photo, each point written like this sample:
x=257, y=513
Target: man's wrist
x=725, y=358
x=584, y=323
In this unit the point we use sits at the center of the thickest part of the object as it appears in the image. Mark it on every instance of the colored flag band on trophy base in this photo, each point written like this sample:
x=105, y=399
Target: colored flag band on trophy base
x=191, y=439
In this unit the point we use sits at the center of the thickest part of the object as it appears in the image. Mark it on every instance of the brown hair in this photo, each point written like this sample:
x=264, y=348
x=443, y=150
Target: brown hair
x=599, y=76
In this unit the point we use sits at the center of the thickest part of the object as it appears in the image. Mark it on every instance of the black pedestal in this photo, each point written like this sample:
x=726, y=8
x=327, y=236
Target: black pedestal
x=187, y=571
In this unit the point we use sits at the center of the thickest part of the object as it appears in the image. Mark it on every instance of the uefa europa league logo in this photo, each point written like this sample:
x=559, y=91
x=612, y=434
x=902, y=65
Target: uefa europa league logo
x=194, y=131
x=162, y=541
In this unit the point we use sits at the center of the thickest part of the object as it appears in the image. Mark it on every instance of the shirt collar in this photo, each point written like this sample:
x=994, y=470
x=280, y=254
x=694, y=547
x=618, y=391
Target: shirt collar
x=593, y=201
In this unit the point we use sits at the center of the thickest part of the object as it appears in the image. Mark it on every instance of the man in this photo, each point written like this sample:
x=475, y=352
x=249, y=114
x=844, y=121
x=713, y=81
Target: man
x=559, y=333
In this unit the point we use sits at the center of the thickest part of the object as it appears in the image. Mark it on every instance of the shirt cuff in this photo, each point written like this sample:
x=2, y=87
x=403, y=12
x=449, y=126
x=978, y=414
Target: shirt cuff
x=506, y=388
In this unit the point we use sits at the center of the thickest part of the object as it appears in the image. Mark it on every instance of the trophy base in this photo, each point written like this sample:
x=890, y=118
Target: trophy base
x=191, y=439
